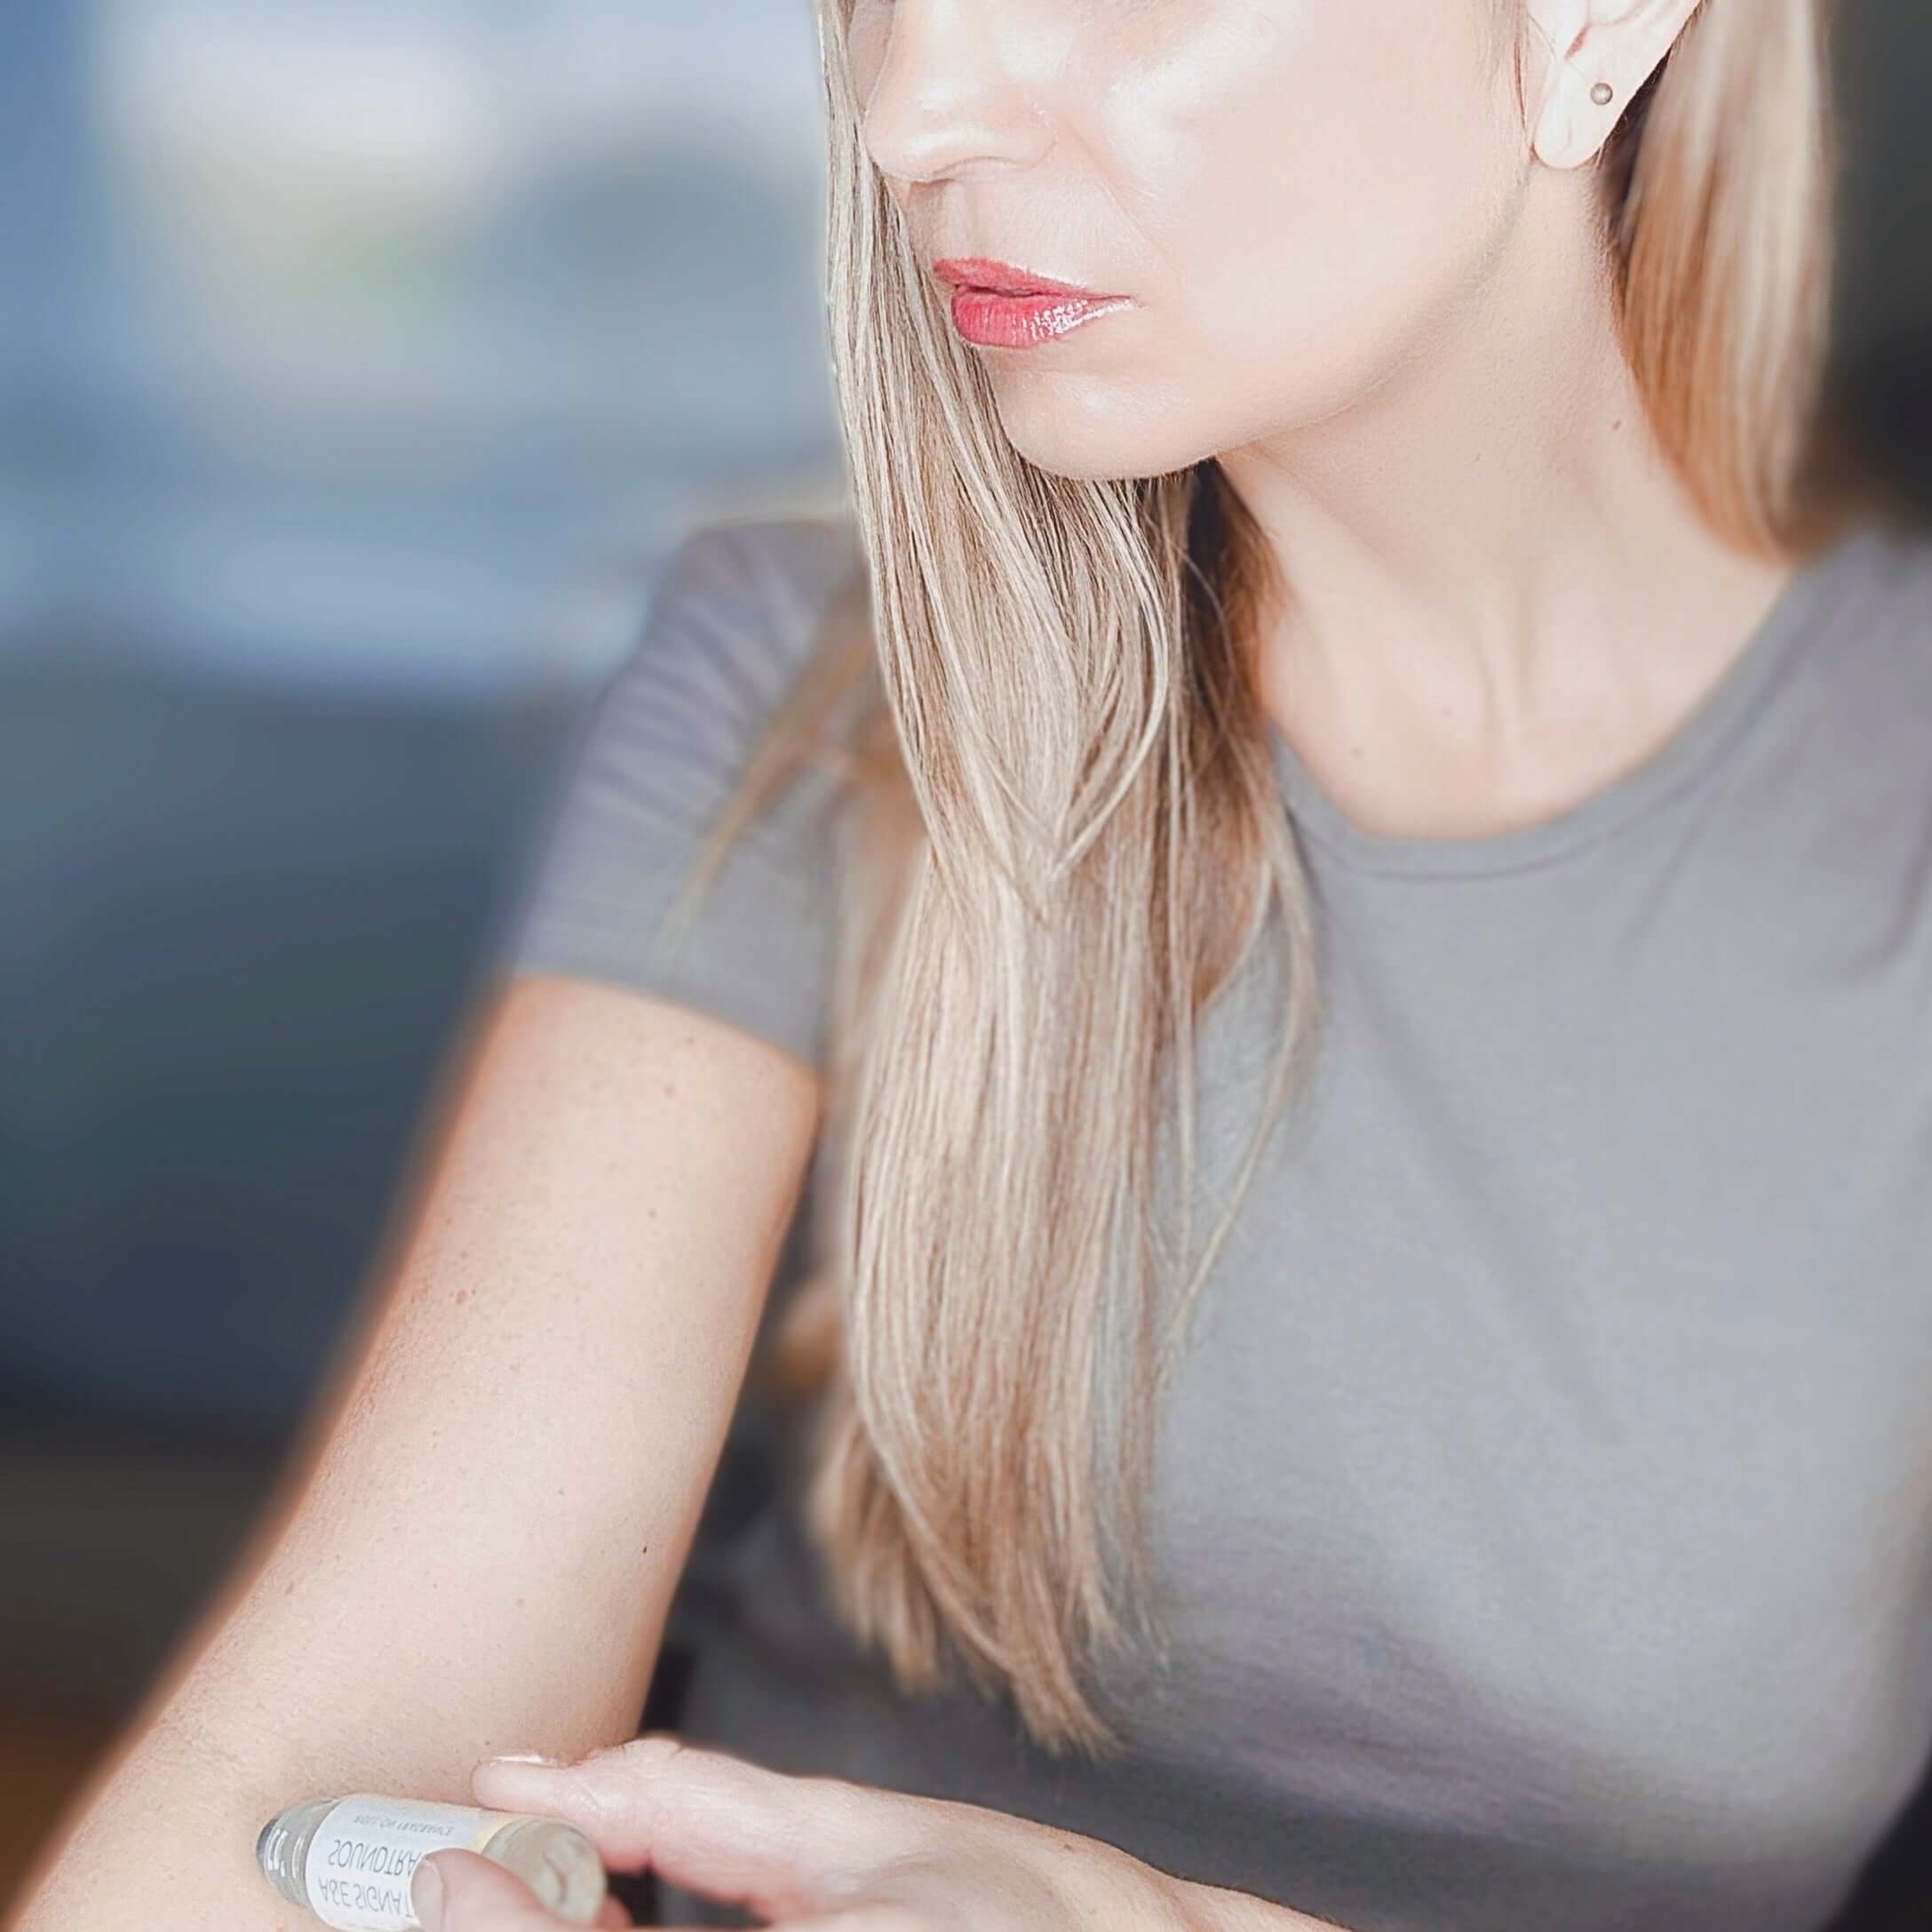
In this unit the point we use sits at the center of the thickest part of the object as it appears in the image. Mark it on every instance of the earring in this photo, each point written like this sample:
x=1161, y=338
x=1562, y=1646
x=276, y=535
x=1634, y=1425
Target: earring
x=1601, y=92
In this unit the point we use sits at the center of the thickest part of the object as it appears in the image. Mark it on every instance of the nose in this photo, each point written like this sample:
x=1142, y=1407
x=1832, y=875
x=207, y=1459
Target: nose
x=952, y=98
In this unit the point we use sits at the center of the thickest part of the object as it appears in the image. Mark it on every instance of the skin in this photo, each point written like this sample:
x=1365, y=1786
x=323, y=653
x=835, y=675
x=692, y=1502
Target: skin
x=1366, y=277
x=818, y=1854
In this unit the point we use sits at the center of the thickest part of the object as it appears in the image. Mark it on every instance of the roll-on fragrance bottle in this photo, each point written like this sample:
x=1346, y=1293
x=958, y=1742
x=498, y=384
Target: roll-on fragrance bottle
x=349, y=1860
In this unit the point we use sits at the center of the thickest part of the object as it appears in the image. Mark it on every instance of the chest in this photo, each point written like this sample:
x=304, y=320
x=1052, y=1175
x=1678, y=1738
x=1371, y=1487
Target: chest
x=1553, y=1447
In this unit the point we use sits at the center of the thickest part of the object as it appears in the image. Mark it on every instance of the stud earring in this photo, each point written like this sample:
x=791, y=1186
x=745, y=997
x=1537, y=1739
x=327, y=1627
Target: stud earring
x=1602, y=93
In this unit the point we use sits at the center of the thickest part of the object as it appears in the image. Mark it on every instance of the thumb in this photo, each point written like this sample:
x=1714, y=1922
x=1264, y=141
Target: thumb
x=458, y=1891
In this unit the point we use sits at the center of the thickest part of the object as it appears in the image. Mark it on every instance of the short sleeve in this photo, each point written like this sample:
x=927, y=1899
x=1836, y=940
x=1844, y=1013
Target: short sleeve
x=735, y=615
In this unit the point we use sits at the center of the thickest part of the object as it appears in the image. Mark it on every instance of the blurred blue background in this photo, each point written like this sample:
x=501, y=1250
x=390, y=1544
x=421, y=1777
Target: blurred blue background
x=360, y=362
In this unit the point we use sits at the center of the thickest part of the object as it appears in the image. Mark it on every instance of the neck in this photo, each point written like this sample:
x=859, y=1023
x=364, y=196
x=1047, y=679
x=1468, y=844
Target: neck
x=1488, y=557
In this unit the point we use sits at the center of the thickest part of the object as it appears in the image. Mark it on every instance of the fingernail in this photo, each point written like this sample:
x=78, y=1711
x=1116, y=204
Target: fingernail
x=527, y=1757
x=425, y=1895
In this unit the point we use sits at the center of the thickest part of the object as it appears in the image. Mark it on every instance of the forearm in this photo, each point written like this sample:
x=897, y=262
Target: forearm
x=165, y=1837
x=269, y=1705
x=164, y=1841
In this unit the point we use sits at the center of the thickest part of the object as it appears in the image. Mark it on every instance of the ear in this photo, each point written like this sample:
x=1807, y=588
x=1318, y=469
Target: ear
x=1562, y=130
x=1583, y=43
x=1569, y=44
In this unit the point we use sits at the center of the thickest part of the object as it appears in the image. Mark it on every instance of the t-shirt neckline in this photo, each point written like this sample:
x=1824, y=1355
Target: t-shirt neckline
x=1697, y=740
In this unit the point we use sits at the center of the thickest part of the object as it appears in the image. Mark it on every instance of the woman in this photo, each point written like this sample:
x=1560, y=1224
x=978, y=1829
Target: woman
x=1359, y=1027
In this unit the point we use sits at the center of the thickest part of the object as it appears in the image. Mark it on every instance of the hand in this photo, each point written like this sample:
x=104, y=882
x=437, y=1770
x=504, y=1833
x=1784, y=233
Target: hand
x=471, y=1892
x=816, y=1854
x=474, y=1895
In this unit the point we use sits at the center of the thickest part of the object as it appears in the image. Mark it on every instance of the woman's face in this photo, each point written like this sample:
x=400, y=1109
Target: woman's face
x=1295, y=193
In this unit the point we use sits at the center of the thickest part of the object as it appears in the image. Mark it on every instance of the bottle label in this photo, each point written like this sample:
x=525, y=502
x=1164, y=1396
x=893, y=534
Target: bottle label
x=365, y=1852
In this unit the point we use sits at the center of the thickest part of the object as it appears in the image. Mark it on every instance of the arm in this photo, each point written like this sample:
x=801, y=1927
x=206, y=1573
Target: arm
x=476, y=1549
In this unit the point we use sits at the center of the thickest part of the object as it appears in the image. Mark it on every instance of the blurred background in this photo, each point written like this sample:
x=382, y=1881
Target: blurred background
x=360, y=362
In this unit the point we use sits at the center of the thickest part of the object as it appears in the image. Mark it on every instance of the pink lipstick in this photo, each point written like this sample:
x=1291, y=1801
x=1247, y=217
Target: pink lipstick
x=999, y=306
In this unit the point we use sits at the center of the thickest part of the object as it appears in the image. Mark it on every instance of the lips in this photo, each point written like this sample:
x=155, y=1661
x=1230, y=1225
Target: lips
x=1002, y=278
x=999, y=306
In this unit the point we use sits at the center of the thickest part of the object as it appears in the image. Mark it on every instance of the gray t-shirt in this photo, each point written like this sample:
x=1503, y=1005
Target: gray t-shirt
x=1544, y=1504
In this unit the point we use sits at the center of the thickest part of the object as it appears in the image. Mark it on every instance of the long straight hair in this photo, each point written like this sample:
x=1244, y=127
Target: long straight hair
x=1063, y=838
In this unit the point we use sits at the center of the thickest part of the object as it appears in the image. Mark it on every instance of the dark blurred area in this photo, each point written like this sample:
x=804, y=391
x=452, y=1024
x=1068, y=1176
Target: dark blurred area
x=359, y=365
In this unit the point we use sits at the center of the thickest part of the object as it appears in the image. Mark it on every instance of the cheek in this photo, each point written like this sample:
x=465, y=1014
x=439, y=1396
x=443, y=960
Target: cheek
x=1309, y=180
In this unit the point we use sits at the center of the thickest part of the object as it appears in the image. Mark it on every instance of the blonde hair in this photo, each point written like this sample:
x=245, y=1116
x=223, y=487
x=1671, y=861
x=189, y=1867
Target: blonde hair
x=1066, y=839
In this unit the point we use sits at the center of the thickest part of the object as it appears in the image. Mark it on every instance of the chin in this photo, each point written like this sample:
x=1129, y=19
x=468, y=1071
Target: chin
x=1097, y=453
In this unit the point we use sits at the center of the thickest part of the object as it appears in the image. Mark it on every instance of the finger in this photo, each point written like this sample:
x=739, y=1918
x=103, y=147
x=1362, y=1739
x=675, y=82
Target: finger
x=458, y=1891
x=709, y=1821
x=614, y=1914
